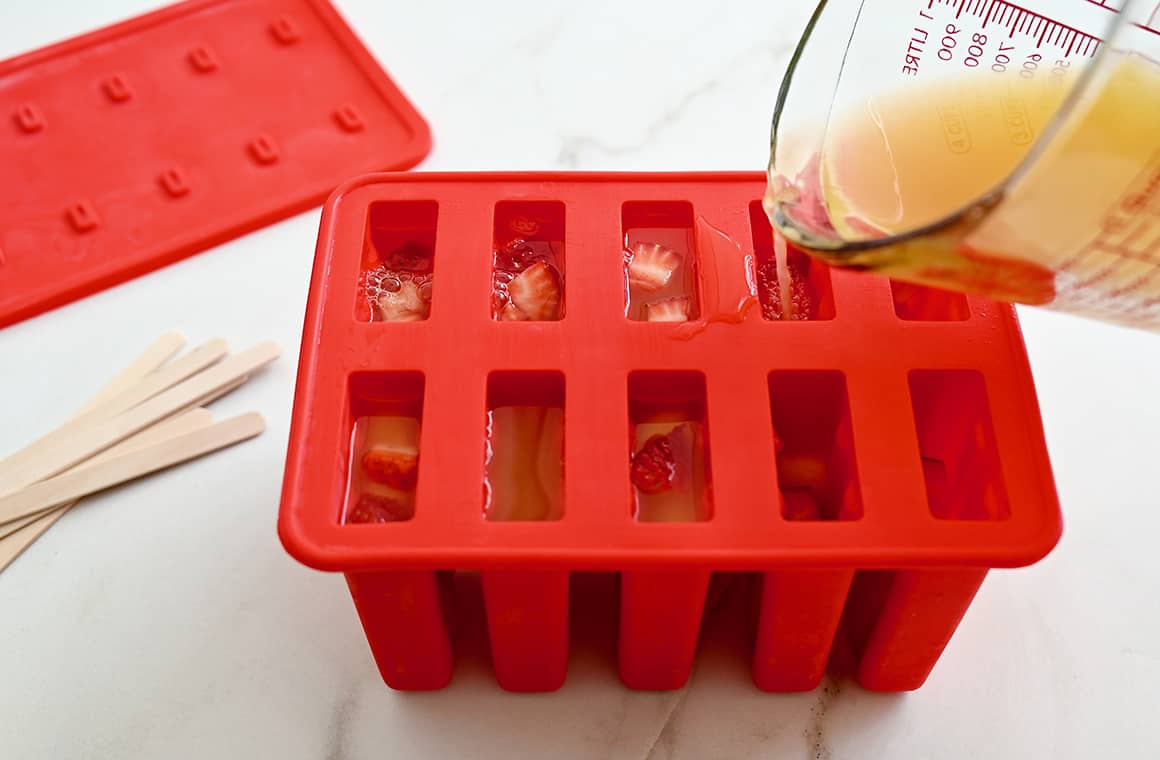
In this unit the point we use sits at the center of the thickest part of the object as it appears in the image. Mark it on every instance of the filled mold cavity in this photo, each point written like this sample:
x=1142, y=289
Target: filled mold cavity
x=810, y=296
x=814, y=446
x=668, y=441
x=396, y=280
x=960, y=458
x=918, y=303
x=527, y=278
x=524, y=451
x=386, y=418
x=660, y=261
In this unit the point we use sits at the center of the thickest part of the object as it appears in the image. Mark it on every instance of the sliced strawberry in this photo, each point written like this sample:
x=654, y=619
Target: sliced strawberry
x=509, y=313
x=669, y=471
x=525, y=226
x=653, y=466
x=801, y=471
x=536, y=292
x=403, y=304
x=397, y=468
x=802, y=200
x=668, y=310
x=515, y=256
x=651, y=266
x=863, y=227
x=373, y=508
x=411, y=256
x=798, y=504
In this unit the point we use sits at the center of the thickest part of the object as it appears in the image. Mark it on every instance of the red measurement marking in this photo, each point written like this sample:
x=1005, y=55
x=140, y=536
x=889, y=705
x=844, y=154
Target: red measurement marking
x=1020, y=20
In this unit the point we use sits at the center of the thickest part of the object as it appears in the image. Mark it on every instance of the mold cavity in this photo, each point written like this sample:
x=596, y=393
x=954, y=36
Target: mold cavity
x=816, y=469
x=386, y=411
x=960, y=460
x=528, y=261
x=810, y=295
x=396, y=280
x=524, y=452
x=922, y=304
x=660, y=266
x=668, y=439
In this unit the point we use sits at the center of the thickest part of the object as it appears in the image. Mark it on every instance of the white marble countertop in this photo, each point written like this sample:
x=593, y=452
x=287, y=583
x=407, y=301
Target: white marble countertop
x=165, y=620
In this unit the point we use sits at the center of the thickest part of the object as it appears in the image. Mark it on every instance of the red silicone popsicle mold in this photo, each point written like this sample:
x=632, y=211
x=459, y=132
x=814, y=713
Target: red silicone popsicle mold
x=920, y=404
x=139, y=144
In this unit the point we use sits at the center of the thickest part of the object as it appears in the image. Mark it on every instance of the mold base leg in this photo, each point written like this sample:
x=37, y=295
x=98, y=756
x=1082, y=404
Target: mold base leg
x=799, y=615
x=920, y=610
x=527, y=625
x=403, y=619
x=660, y=618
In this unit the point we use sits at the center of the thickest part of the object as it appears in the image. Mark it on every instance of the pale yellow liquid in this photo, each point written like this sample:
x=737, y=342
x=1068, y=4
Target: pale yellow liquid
x=903, y=159
x=1078, y=228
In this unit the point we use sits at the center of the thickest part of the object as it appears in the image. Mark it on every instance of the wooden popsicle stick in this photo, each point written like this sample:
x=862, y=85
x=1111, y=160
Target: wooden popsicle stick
x=205, y=355
x=153, y=357
x=88, y=438
x=165, y=377
x=194, y=419
x=159, y=352
x=14, y=544
x=130, y=466
x=156, y=355
x=225, y=390
x=17, y=525
x=17, y=540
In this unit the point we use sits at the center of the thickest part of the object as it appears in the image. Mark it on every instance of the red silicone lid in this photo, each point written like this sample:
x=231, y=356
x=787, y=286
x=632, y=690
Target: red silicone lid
x=136, y=145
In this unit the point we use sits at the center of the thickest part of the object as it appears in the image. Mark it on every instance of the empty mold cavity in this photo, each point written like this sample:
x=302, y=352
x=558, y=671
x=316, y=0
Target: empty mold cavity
x=398, y=265
x=810, y=295
x=524, y=452
x=960, y=460
x=919, y=303
x=816, y=468
x=387, y=412
x=660, y=261
x=528, y=261
x=668, y=439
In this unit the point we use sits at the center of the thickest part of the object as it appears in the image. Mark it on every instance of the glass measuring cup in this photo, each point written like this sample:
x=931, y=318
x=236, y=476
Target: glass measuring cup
x=981, y=146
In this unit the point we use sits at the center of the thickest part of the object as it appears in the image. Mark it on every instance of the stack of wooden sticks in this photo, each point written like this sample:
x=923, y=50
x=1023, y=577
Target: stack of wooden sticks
x=149, y=417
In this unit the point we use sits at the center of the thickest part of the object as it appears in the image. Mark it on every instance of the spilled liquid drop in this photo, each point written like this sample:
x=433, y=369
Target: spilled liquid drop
x=728, y=279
